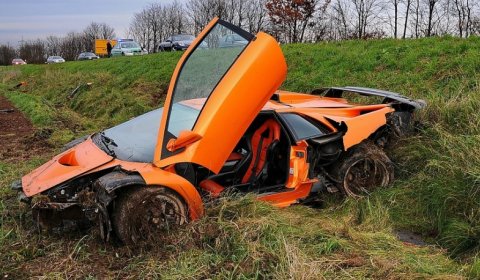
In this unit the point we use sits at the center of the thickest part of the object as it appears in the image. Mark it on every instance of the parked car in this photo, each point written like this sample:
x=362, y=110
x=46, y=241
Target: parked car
x=127, y=47
x=18, y=61
x=55, y=59
x=232, y=40
x=176, y=43
x=87, y=56
x=225, y=128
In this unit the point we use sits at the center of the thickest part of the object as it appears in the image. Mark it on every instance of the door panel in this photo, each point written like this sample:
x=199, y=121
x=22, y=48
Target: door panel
x=234, y=83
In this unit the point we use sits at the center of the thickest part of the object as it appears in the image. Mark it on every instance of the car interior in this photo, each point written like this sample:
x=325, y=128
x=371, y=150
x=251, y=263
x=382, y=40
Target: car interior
x=259, y=163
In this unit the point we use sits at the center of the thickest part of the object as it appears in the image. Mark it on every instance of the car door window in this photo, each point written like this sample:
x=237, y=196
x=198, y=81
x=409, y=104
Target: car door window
x=302, y=128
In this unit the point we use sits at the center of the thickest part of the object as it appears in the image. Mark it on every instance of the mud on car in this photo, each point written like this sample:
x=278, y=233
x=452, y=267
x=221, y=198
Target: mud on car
x=225, y=127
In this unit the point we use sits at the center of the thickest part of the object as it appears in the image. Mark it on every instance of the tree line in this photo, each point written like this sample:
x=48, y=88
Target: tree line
x=294, y=21
x=290, y=21
x=68, y=46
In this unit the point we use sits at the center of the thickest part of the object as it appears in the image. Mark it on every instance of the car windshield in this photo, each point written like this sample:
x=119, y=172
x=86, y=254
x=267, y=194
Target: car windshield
x=135, y=140
x=130, y=45
x=183, y=38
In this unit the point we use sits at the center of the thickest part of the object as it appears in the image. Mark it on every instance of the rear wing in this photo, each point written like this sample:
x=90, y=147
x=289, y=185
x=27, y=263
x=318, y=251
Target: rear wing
x=389, y=97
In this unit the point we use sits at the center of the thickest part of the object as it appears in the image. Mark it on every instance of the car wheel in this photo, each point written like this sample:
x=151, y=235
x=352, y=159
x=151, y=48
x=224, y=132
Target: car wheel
x=123, y=54
x=362, y=169
x=161, y=49
x=144, y=213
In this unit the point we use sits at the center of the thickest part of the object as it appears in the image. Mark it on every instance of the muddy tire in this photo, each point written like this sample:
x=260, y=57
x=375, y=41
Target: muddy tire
x=145, y=213
x=362, y=169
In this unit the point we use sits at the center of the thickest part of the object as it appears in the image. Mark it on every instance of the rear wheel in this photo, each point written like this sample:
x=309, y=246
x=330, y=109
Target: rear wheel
x=145, y=213
x=363, y=169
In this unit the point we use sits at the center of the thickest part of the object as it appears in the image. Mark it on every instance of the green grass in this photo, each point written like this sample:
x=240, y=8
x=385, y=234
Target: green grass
x=436, y=192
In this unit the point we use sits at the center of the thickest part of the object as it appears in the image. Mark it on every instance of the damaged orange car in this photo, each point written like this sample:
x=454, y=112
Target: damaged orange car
x=225, y=128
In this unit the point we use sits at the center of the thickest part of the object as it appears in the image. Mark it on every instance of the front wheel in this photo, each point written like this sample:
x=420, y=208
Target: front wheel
x=145, y=213
x=362, y=169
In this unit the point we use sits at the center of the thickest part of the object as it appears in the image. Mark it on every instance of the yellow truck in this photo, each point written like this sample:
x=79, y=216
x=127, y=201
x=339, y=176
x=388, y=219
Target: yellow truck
x=101, y=46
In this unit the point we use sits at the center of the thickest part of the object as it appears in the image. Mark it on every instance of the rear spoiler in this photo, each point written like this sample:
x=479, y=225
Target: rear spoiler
x=389, y=97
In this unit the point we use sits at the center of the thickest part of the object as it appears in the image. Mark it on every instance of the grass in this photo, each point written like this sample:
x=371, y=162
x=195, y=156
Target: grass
x=435, y=194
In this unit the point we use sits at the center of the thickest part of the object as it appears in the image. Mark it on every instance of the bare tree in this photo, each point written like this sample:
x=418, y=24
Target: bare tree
x=53, y=45
x=33, y=51
x=255, y=15
x=431, y=10
x=7, y=53
x=202, y=11
x=418, y=19
x=408, y=3
x=156, y=22
x=365, y=12
x=97, y=30
x=72, y=45
x=463, y=10
x=140, y=30
x=341, y=18
x=395, y=4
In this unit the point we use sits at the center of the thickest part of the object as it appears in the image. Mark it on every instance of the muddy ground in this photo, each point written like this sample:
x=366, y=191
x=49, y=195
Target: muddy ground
x=18, y=138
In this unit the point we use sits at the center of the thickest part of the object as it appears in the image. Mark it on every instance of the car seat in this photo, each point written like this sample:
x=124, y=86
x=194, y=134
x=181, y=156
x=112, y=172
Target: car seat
x=264, y=142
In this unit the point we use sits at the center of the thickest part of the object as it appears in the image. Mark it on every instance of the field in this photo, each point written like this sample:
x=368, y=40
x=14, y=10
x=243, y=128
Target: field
x=426, y=225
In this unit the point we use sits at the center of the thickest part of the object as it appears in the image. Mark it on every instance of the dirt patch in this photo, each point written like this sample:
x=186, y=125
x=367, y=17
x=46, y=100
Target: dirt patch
x=18, y=138
x=410, y=238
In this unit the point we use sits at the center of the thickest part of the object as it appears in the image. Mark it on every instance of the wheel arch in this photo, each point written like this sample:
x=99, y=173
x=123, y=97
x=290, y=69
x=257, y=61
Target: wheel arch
x=121, y=180
x=178, y=184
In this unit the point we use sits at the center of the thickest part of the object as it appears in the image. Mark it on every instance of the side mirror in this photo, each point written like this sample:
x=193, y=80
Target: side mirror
x=185, y=138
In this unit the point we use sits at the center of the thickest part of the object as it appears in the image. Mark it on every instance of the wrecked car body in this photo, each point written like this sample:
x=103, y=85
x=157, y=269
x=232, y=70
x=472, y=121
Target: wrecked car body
x=225, y=127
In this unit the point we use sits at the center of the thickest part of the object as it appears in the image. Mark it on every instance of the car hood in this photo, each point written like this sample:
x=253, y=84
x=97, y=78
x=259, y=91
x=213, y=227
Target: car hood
x=64, y=167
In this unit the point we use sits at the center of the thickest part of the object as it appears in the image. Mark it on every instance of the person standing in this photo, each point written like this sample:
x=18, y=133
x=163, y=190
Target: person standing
x=109, y=48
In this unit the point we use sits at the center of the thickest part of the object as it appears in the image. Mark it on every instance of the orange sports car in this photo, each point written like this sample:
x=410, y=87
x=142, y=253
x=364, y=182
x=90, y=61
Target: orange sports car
x=225, y=128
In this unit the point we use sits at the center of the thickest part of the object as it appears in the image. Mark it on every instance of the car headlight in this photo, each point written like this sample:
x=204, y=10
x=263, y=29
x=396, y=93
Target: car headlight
x=181, y=44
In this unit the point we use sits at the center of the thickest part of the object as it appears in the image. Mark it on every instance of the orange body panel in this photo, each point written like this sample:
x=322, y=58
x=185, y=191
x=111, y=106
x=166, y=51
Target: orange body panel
x=212, y=187
x=301, y=100
x=298, y=172
x=364, y=125
x=284, y=199
x=72, y=163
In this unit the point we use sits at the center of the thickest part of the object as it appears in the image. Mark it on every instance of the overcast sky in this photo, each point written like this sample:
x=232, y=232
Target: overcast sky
x=34, y=19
